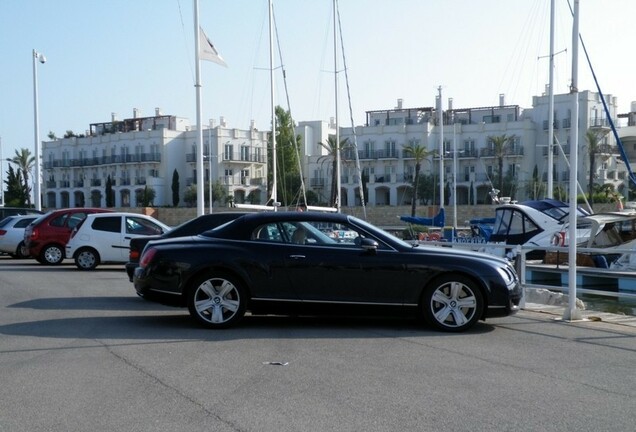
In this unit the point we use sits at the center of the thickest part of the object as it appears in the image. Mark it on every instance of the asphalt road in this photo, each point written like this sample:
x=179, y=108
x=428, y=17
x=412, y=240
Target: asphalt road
x=79, y=351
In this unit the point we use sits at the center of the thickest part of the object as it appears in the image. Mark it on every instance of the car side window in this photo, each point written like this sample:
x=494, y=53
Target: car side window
x=268, y=232
x=135, y=225
x=108, y=224
x=58, y=221
x=23, y=223
x=75, y=219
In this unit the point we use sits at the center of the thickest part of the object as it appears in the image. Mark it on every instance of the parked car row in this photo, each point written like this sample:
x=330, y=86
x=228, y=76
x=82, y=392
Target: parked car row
x=89, y=236
x=222, y=265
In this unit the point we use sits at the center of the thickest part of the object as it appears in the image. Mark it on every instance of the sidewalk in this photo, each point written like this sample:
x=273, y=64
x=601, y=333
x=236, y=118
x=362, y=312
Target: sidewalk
x=587, y=315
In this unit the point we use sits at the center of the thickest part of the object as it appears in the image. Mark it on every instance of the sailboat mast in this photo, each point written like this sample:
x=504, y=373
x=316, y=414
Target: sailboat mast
x=200, y=187
x=550, y=190
x=274, y=196
x=572, y=313
x=335, y=73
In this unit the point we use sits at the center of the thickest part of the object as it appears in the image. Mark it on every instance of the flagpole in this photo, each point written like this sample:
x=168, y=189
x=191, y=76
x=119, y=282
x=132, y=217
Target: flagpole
x=199, y=158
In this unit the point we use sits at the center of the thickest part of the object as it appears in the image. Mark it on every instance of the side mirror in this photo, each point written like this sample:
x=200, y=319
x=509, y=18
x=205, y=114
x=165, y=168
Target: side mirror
x=369, y=245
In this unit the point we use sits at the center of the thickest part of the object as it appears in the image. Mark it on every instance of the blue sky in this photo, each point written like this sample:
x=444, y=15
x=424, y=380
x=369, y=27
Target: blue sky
x=106, y=56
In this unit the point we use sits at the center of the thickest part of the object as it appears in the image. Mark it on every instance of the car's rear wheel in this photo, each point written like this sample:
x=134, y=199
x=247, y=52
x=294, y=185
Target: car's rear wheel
x=217, y=300
x=52, y=254
x=452, y=303
x=21, y=251
x=86, y=259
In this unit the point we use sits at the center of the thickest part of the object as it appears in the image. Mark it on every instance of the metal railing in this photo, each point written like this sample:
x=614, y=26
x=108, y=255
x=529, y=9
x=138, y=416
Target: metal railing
x=560, y=272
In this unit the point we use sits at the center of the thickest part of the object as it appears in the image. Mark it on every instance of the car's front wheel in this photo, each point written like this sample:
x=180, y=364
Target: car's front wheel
x=52, y=254
x=217, y=300
x=452, y=303
x=86, y=259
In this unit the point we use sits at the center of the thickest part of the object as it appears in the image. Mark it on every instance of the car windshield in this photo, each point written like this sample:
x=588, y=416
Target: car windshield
x=41, y=218
x=378, y=232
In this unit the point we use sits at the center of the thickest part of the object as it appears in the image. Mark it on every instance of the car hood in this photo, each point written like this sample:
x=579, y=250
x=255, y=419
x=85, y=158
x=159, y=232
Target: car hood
x=456, y=252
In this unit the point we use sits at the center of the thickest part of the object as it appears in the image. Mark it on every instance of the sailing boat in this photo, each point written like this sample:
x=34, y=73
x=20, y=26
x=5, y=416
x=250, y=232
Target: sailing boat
x=273, y=197
x=338, y=202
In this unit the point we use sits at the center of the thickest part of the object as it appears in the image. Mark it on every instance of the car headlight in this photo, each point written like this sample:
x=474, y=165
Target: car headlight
x=507, y=274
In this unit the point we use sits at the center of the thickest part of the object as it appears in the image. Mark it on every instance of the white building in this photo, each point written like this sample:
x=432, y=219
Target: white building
x=388, y=171
x=145, y=151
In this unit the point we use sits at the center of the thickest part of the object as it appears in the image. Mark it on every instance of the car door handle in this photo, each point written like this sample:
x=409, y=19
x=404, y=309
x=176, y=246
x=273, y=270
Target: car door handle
x=296, y=257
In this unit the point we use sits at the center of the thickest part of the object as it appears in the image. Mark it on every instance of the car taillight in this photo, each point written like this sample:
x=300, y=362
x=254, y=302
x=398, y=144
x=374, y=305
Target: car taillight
x=147, y=256
x=34, y=234
x=3, y=232
x=133, y=255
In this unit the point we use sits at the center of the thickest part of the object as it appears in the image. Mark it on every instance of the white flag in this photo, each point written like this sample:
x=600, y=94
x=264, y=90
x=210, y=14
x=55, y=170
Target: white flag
x=207, y=50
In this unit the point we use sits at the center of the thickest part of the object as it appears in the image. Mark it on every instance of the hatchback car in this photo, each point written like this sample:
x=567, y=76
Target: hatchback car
x=260, y=263
x=46, y=237
x=105, y=237
x=12, y=235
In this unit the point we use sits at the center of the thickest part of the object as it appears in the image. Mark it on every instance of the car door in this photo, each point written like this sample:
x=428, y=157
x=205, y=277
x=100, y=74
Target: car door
x=105, y=237
x=133, y=227
x=342, y=271
x=266, y=264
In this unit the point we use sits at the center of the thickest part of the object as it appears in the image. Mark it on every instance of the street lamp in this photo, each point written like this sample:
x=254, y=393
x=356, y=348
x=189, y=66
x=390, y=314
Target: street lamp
x=37, y=57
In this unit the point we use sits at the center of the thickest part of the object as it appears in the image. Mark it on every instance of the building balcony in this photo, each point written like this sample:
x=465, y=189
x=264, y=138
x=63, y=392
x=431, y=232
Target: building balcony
x=104, y=160
x=387, y=154
x=508, y=152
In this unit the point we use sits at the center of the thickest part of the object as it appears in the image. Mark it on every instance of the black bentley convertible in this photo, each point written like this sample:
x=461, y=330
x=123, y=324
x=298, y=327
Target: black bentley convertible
x=310, y=263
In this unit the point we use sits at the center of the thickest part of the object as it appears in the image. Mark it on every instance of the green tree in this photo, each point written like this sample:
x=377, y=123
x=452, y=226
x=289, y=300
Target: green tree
x=146, y=196
x=15, y=195
x=287, y=164
x=218, y=192
x=593, y=138
x=535, y=187
x=500, y=150
x=25, y=163
x=427, y=189
x=418, y=153
x=110, y=193
x=190, y=195
x=332, y=155
x=175, y=188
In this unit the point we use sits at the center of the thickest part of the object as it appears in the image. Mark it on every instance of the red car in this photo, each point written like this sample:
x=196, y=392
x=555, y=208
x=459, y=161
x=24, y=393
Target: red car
x=46, y=237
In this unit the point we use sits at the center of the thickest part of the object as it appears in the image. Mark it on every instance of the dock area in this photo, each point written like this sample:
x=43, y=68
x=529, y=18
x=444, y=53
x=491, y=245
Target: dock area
x=588, y=279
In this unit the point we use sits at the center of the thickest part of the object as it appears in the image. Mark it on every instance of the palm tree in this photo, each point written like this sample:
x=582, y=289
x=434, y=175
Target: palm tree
x=593, y=138
x=25, y=162
x=332, y=152
x=500, y=149
x=418, y=153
